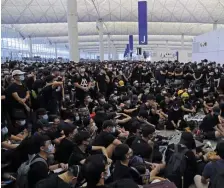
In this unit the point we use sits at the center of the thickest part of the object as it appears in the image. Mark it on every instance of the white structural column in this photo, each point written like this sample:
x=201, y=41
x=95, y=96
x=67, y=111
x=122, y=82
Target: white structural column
x=100, y=25
x=30, y=47
x=182, y=42
x=113, y=52
x=56, y=50
x=108, y=47
x=72, y=18
x=167, y=46
x=214, y=26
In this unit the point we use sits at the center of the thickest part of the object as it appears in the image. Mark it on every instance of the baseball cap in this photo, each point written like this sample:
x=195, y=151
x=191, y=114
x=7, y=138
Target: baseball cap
x=17, y=72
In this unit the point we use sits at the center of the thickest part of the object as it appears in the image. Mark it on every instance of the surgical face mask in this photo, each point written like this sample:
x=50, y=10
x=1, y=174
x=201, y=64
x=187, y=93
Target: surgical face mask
x=102, y=100
x=45, y=116
x=90, y=100
x=4, y=131
x=115, y=98
x=128, y=102
x=205, y=90
x=176, y=108
x=113, y=130
x=189, y=91
x=146, y=91
x=82, y=70
x=50, y=149
x=21, y=77
x=22, y=122
x=77, y=118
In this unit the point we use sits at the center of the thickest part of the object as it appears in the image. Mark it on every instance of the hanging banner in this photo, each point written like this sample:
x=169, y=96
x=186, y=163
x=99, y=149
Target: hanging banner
x=131, y=43
x=126, y=51
x=142, y=23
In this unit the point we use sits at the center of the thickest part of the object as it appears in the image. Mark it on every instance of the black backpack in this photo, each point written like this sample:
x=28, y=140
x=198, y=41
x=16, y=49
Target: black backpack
x=219, y=178
x=176, y=165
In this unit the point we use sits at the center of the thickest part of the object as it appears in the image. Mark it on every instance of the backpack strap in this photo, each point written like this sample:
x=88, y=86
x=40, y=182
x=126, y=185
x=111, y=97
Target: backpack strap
x=39, y=159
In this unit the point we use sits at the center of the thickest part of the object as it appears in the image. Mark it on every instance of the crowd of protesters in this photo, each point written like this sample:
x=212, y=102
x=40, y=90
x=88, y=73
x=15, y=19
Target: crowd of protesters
x=97, y=124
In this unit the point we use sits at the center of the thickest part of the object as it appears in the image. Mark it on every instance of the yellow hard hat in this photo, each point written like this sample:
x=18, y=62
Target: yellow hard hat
x=185, y=95
x=121, y=83
x=180, y=92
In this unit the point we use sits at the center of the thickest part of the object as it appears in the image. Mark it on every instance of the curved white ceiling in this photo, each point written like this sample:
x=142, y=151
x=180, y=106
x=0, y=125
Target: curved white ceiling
x=168, y=19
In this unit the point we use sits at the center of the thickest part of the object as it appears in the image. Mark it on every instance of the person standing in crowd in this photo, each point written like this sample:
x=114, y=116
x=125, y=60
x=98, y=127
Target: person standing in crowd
x=82, y=84
x=102, y=81
x=17, y=97
x=48, y=97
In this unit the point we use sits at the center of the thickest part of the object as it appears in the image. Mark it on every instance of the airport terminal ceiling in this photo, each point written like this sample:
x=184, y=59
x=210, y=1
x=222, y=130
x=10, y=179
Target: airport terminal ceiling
x=167, y=20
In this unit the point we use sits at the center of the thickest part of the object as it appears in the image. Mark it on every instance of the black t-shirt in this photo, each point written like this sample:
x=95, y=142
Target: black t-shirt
x=64, y=150
x=175, y=115
x=188, y=77
x=15, y=88
x=82, y=81
x=52, y=182
x=209, y=122
x=29, y=82
x=121, y=172
x=141, y=148
x=101, y=82
x=164, y=106
x=38, y=85
x=144, y=108
x=48, y=94
x=37, y=172
x=77, y=155
x=54, y=133
x=104, y=139
x=159, y=98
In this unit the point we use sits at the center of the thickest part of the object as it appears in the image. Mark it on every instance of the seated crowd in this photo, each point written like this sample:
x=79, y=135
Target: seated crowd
x=100, y=124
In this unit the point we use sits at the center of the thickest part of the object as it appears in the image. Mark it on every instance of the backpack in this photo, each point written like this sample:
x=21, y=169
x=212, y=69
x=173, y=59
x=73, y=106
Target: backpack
x=22, y=173
x=176, y=165
x=219, y=178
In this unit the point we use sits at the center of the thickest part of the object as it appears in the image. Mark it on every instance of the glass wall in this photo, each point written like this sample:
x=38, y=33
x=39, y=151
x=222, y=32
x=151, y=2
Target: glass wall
x=14, y=46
